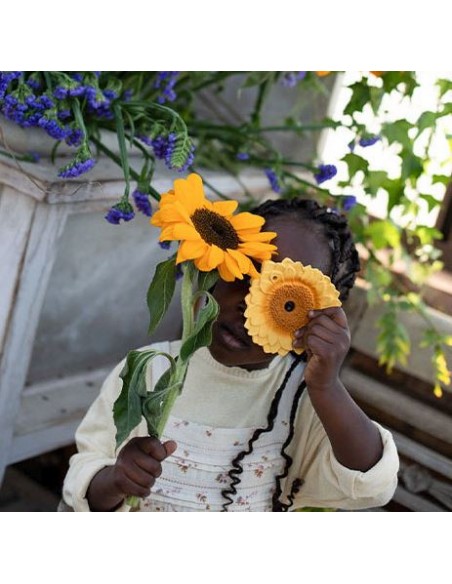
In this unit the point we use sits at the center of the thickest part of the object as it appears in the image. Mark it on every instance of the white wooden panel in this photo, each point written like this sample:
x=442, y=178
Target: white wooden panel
x=51, y=411
x=48, y=223
x=16, y=213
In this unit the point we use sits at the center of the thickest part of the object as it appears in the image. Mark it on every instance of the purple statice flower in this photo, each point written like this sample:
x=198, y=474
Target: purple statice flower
x=368, y=141
x=75, y=137
x=348, y=202
x=53, y=128
x=64, y=114
x=166, y=80
x=165, y=244
x=122, y=211
x=325, y=172
x=242, y=156
x=44, y=102
x=77, y=77
x=69, y=89
x=291, y=78
x=82, y=162
x=5, y=79
x=127, y=95
x=273, y=179
x=142, y=202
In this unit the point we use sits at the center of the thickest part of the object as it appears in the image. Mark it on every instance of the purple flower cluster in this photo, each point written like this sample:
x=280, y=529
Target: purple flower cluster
x=291, y=78
x=166, y=80
x=82, y=162
x=165, y=244
x=164, y=147
x=348, y=202
x=30, y=104
x=122, y=211
x=242, y=156
x=142, y=202
x=325, y=172
x=273, y=179
x=368, y=141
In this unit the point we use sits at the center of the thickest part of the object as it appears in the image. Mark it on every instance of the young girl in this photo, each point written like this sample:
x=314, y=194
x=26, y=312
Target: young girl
x=251, y=431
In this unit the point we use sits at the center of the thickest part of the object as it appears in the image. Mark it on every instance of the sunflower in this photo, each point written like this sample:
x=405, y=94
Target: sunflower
x=279, y=301
x=209, y=233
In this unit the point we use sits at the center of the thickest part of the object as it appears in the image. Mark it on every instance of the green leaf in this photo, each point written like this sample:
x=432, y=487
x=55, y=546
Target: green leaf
x=257, y=78
x=206, y=280
x=202, y=333
x=427, y=235
x=360, y=96
x=442, y=179
x=375, y=180
x=384, y=234
x=412, y=166
x=396, y=192
x=426, y=120
x=376, y=97
x=431, y=201
x=355, y=163
x=161, y=291
x=127, y=407
x=398, y=132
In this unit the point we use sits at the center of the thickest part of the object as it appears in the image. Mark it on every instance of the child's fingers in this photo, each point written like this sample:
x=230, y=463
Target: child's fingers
x=335, y=313
x=153, y=447
x=170, y=447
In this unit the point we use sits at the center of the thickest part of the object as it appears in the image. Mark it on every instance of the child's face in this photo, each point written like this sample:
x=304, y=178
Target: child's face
x=231, y=345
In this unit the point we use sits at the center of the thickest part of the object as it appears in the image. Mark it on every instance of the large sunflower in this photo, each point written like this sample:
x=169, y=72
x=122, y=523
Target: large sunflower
x=209, y=233
x=279, y=301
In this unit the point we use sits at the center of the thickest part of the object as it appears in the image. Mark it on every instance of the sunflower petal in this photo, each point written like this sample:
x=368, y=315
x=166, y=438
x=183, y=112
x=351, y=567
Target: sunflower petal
x=190, y=192
x=184, y=231
x=225, y=208
x=190, y=250
x=225, y=274
x=232, y=266
x=246, y=221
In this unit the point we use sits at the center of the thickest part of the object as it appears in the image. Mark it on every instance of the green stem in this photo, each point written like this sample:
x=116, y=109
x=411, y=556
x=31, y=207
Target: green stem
x=122, y=147
x=79, y=119
x=113, y=156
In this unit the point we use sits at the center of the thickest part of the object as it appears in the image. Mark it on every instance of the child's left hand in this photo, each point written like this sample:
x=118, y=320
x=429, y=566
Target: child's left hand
x=326, y=339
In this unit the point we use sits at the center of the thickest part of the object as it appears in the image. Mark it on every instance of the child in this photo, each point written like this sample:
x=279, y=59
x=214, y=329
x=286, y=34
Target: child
x=245, y=435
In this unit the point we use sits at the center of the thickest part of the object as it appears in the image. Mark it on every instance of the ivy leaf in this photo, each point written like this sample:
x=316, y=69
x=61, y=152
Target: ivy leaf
x=398, y=132
x=412, y=166
x=396, y=192
x=432, y=203
x=355, y=163
x=426, y=120
x=442, y=179
x=383, y=234
x=360, y=96
x=375, y=180
x=427, y=235
x=161, y=291
x=202, y=333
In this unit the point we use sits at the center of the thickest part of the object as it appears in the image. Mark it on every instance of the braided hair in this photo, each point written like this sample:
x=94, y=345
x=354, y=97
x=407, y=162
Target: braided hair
x=333, y=227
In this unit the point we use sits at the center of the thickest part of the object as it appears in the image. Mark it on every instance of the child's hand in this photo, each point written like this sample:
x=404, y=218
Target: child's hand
x=326, y=339
x=139, y=464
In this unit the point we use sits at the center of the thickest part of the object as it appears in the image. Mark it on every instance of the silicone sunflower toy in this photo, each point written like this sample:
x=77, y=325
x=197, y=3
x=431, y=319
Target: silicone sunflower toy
x=279, y=301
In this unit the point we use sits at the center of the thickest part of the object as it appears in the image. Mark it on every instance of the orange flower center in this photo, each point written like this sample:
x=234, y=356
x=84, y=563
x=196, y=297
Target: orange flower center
x=215, y=229
x=289, y=306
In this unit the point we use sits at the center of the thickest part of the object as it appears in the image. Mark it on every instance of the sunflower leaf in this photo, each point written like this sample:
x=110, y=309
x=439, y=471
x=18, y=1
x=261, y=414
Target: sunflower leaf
x=127, y=407
x=202, y=333
x=161, y=291
x=206, y=280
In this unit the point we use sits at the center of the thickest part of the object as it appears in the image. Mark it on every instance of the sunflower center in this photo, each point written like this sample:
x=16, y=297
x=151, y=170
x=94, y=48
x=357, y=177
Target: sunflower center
x=289, y=306
x=215, y=229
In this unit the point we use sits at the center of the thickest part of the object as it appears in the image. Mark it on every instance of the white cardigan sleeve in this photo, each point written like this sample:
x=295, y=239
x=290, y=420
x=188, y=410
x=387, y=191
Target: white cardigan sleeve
x=95, y=440
x=326, y=482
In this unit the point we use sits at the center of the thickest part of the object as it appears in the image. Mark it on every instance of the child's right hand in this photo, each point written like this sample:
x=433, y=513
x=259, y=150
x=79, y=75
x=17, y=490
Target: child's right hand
x=137, y=467
x=139, y=464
